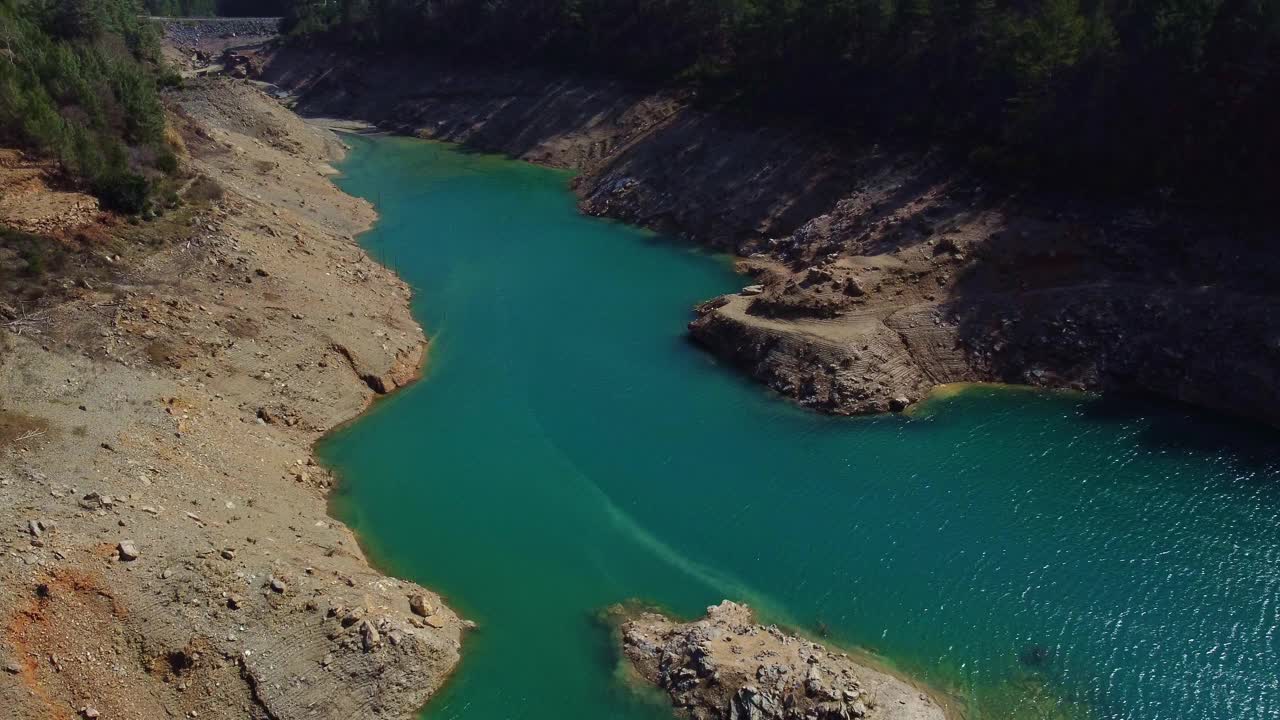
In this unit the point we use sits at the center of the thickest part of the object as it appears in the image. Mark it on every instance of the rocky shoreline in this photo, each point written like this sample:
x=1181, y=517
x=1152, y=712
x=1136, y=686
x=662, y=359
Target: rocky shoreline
x=167, y=550
x=727, y=667
x=883, y=272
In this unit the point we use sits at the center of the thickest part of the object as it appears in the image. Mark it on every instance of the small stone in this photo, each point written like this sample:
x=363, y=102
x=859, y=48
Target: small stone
x=235, y=602
x=128, y=551
x=13, y=668
x=89, y=712
x=277, y=585
x=228, y=554
x=168, y=573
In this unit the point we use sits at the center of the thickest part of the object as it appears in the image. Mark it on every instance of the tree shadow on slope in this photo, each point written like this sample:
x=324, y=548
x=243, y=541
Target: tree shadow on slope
x=648, y=158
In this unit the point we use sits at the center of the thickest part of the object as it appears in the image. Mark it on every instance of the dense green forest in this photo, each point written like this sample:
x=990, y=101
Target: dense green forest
x=1176, y=97
x=78, y=83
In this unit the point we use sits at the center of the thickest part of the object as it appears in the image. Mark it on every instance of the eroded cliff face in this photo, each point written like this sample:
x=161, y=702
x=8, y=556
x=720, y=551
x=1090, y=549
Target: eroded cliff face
x=727, y=667
x=883, y=272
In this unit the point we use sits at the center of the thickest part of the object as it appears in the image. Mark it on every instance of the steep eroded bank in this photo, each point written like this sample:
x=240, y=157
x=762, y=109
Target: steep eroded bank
x=168, y=548
x=884, y=272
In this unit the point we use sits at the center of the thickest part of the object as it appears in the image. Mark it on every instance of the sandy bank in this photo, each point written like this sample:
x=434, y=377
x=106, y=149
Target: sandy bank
x=167, y=551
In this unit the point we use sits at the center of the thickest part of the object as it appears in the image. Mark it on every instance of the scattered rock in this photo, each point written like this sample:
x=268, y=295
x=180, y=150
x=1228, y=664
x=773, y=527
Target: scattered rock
x=369, y=637
x=127, y=551
x=95, y=501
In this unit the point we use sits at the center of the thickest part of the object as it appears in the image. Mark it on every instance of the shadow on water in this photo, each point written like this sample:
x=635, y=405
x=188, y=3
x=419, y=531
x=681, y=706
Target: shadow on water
x=1170, y=427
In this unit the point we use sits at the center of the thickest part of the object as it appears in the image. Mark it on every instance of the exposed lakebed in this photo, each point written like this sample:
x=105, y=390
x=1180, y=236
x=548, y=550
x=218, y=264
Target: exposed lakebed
x=1038, y=555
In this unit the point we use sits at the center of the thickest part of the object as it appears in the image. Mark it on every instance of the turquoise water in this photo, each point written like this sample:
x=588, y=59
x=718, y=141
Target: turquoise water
x=1037, y=555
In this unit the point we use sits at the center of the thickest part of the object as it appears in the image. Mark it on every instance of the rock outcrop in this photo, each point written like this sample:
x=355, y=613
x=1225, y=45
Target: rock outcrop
x=726, y=667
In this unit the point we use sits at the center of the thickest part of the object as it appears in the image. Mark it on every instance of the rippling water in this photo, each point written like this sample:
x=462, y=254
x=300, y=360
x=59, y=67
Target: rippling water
x=1036, y=555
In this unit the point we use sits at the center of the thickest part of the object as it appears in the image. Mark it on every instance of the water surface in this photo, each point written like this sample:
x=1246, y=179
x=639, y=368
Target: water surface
x=1040, y=556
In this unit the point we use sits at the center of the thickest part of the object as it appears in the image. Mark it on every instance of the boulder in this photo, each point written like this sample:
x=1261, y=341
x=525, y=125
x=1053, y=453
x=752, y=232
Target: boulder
x=421, y=606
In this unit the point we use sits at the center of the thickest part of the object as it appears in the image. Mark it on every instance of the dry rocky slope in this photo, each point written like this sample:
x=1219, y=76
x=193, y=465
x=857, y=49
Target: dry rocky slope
x=727, y=667
x=882, y=272
x=166, y=547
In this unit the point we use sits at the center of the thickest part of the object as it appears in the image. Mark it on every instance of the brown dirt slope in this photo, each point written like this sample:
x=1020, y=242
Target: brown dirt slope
x=28, y=203
x=166, y=547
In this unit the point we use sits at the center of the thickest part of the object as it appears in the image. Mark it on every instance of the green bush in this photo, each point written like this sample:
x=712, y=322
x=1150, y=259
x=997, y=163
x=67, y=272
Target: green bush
x=78, y=83
x=123, y=192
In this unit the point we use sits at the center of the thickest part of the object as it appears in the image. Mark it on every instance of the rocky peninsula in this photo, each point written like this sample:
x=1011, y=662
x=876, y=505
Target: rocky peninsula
x=727, y=667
